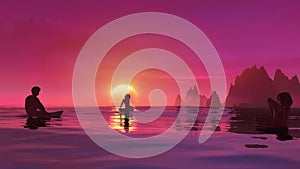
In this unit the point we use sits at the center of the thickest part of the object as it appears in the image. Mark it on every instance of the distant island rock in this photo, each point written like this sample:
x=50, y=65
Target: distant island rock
x=214, y=101
x=254, y=86
x=193, y=98
x=178, y=101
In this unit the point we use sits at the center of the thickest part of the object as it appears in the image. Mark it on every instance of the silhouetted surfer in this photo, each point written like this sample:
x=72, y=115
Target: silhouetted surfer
x=280, y=112
x=33, y=106
x=126, y=111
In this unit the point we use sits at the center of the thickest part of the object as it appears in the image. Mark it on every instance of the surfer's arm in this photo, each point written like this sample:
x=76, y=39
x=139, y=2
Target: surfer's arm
x=122, y=103
x=273, y=103
x=40, y=106
x=274, y=106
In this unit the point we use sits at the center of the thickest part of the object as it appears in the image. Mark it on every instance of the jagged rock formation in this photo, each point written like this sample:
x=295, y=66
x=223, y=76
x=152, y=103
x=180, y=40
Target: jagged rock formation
x=254, y=86
x=214, y=101
x=178, y=101
x=193, y=98
x=282, y=83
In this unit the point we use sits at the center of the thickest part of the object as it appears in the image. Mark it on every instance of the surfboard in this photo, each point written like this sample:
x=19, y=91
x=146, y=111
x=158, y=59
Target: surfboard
x=122, y=110
x=56, y=114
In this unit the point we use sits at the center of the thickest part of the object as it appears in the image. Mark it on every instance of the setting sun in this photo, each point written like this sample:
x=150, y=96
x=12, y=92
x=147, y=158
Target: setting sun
x=118, y=92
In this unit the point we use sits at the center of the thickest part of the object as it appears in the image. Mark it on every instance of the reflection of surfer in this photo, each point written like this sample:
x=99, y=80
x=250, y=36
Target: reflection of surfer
x=126, y=111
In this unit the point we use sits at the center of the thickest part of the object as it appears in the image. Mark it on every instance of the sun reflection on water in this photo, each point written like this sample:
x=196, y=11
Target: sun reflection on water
x=117, y=123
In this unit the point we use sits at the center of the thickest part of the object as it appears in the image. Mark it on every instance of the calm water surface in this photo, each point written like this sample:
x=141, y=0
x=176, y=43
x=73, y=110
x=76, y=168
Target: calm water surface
x=62, y=143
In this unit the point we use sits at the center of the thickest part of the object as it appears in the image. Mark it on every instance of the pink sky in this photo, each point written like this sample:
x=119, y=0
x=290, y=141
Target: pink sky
x=40, y=40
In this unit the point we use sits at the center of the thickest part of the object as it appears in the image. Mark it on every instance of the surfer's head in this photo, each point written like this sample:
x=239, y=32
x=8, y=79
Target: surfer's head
x=285, y=99
x=35, y=90
x=127, y=96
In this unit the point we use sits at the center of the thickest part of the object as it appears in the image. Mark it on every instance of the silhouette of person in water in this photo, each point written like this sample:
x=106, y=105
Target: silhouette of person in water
x=33, y=106
x=280, y=113
x=128, y=108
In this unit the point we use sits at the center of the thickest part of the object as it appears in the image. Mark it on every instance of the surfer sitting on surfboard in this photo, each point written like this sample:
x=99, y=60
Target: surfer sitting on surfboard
x=127, y=109
x=33, y=106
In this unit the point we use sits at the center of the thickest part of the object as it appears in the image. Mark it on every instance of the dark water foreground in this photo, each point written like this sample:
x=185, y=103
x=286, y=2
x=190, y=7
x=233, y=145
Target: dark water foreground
x=62, y=143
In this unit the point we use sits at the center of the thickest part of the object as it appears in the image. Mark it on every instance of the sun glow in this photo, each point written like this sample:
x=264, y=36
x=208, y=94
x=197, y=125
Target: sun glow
x=118, y=92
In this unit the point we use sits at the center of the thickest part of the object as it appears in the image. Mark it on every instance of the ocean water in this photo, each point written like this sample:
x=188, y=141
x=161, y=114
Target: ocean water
x=62, y=143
